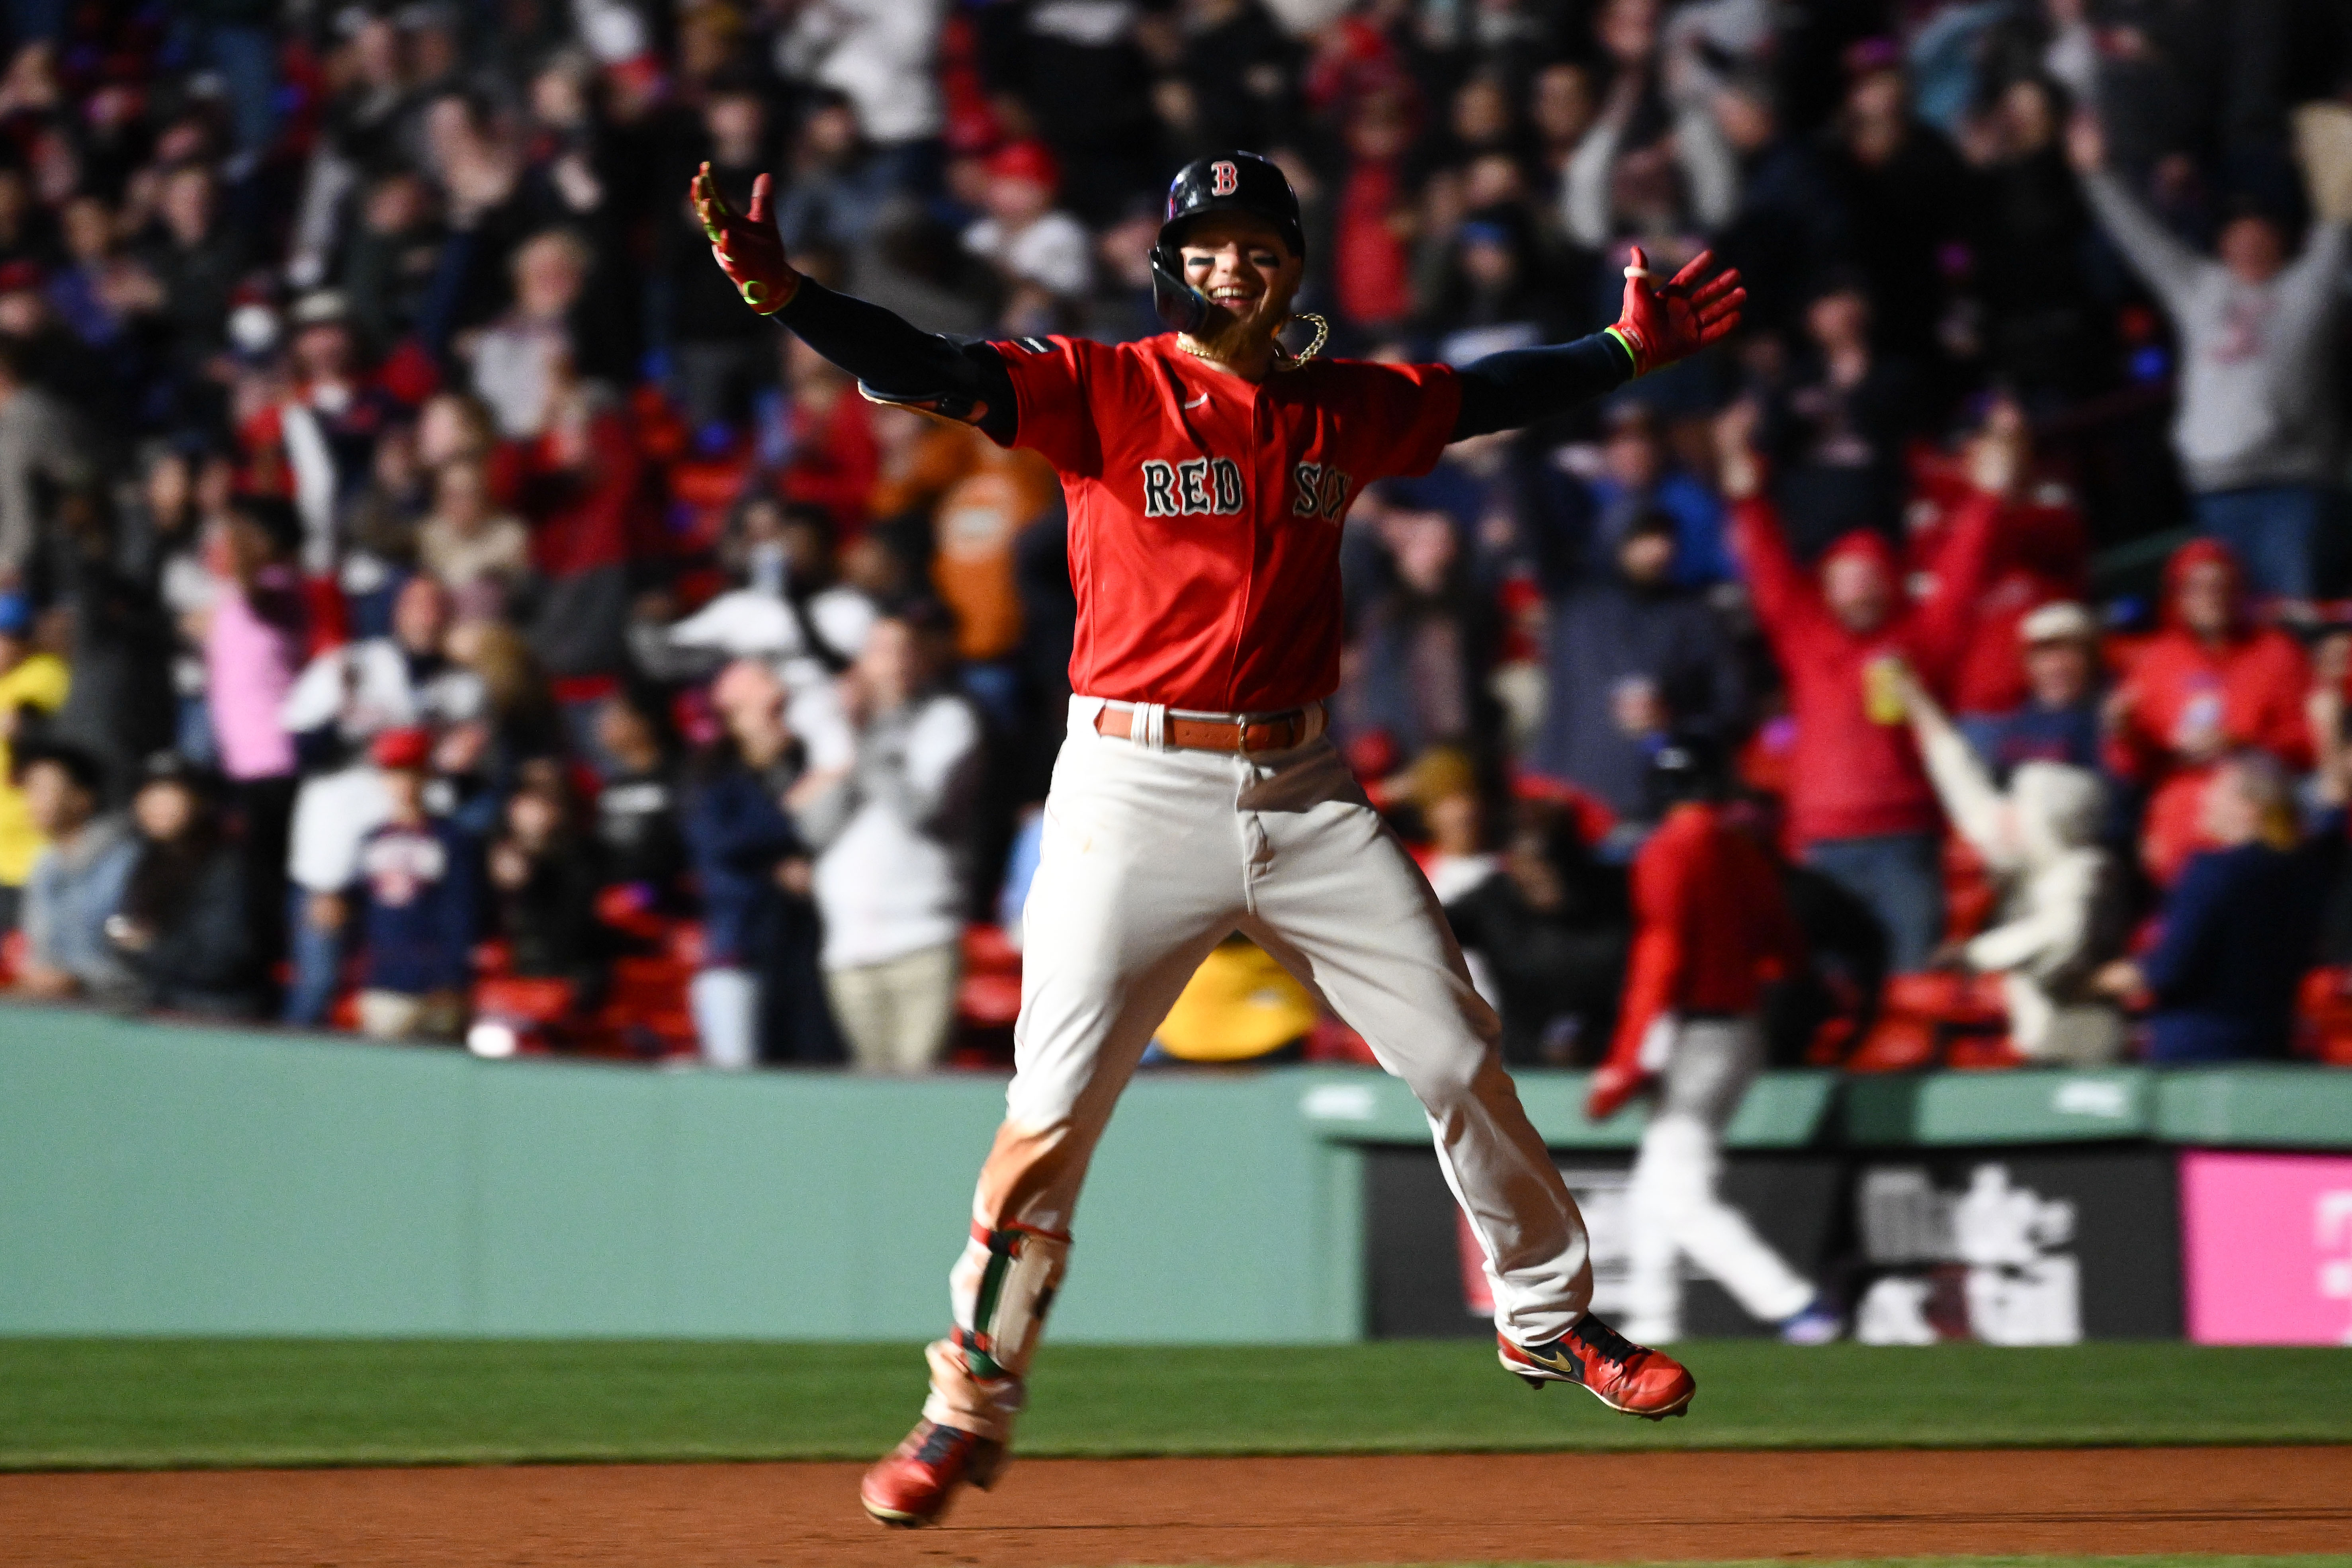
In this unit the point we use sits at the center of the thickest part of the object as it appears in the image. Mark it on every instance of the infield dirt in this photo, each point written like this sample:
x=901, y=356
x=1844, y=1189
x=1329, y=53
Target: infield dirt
x=1080, y=1513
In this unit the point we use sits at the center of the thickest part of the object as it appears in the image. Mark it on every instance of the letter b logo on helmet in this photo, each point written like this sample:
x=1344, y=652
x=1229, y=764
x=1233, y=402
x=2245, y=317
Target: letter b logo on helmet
x=1230, y=181
x=1234, y=182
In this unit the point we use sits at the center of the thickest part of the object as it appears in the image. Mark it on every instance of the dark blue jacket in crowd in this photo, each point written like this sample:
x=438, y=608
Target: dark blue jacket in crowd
x=1702, y=550
x=736, y=834
x=2240, y=930
x=2033, y=733
x=1605, y=632
x=423, y=907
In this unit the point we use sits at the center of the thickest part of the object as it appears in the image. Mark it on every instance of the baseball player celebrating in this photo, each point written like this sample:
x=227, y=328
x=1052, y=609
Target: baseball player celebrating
x=1207, y=471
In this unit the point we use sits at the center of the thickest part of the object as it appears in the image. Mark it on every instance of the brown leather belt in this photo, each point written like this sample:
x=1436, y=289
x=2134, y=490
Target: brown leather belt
x=1241, y=733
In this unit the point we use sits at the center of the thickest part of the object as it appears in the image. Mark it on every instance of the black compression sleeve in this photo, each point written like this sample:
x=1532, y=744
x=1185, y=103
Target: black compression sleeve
x=901, y=362
x=1523, y=386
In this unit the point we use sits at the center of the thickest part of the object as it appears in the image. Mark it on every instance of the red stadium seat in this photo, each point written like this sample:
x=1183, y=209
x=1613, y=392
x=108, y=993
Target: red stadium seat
x=1938, y=1018
x=2323, y=1016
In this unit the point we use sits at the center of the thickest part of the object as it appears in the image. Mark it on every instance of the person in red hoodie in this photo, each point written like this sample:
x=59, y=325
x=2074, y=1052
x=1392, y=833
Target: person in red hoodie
x=1860, y=806
x=582, y=488
x=1712, y=929
x=2212, y=682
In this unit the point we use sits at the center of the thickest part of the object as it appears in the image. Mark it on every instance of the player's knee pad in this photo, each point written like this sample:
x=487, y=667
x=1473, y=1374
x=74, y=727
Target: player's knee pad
x=1003, y=1294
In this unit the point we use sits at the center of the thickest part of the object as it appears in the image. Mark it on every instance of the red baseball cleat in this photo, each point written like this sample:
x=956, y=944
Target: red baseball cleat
x=1620, y=1373
x=912, y=1484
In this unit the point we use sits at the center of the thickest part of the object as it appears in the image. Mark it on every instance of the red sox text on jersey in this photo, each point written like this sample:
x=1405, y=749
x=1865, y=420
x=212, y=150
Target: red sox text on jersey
x=1214, y=485
x=1205, y=545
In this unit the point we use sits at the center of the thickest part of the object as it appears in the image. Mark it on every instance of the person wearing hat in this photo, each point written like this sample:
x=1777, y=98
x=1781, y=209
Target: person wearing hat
x=1207, y=472
x=76, y=882
x=183, y=926
x=33, y=684
x=421, y=912
x=1712, y=929
x=2214, y=680
x=1041, y=252
x=1860, y=808
x=2059, y=721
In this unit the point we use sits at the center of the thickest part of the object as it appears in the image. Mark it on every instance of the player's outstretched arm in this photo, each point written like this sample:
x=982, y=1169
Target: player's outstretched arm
x=1658, y=325
x=893, y=361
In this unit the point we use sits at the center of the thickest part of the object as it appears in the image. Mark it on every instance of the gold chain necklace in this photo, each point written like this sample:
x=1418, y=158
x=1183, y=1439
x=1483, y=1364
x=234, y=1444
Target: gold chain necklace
x=1282, y=360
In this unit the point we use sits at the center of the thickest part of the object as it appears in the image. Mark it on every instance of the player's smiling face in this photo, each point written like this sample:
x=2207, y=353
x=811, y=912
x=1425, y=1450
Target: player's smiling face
x=1243, y=268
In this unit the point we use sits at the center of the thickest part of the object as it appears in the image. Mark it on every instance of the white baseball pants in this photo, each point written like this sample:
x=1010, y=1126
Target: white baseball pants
x=1151, y=857
x=1677, y=1211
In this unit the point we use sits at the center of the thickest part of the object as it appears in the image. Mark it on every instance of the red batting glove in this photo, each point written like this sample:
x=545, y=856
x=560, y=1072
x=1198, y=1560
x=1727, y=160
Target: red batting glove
x=1613, y=1083
x=1661, y=325
x=746, y=245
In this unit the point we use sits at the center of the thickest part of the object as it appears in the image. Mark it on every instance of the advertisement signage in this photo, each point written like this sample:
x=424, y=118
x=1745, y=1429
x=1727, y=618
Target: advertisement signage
x=2015, y=1247
x=2267, y=1247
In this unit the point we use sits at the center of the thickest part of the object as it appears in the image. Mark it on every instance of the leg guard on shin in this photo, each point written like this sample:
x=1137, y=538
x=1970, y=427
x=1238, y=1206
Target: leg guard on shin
x=1003, y=1287
x=997, y=1328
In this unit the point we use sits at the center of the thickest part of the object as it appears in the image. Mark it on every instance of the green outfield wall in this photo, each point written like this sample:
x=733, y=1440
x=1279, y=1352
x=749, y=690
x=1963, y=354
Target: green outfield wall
x=160, y=1180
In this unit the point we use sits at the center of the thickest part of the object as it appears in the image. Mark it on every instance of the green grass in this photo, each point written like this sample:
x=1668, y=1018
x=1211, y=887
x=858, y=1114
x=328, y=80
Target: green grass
x=184, y=1402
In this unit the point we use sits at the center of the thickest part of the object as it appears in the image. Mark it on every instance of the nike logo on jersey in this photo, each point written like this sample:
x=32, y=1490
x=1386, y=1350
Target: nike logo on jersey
x=1322, y=490
x=1198, y=401
x=1203, y=485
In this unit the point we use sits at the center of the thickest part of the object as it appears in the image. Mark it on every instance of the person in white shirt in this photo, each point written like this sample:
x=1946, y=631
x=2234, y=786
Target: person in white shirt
x=1043, y=255
x=880, y=53
x=784, y=612
x=524, y=358
x=346, y=697
x=785, y=604
x=362, y=689
x=887, y=829
x=2062, y=914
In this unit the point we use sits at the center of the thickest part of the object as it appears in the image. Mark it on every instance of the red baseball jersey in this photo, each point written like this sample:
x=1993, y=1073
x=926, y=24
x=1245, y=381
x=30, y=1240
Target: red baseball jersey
x=1714, y=926
x=1206, y=510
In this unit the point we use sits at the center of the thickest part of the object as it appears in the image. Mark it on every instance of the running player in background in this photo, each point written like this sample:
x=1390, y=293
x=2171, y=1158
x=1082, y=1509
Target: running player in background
x=1712, y=929
x=1207, y=471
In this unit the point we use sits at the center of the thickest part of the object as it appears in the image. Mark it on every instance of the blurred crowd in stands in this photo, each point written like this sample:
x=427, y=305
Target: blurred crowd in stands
x=432, y=605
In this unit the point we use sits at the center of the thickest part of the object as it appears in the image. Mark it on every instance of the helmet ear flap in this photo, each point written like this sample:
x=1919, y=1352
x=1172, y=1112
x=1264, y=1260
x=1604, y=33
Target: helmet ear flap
x=1182, y=307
